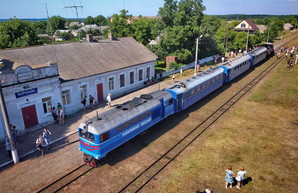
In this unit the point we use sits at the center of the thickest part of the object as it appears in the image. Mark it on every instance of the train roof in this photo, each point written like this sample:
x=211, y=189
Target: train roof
x=258, y=51
x=194, y=81
x=122, y=113
x=236, y=61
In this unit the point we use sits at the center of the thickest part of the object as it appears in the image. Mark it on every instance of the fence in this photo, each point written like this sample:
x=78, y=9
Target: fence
x=187, y=66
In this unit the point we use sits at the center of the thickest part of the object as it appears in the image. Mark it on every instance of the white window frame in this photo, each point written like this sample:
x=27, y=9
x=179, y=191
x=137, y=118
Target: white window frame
x=121, y=86
x=65, y=97
x=142, y=74
x=46, y=104
x=148, y=72
x=111, y=84
x=133, y=77
x=83, y=91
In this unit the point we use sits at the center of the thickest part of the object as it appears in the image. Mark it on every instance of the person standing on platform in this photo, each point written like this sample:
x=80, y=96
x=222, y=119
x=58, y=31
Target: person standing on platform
x=61, y=117
x=84, y=103
x=46, y=135
x=109, y=100
x=40, y=144
x=8, y=148
x=91, y=101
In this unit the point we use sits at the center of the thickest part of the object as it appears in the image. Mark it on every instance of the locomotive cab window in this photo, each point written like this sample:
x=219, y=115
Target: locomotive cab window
x=171, y=101
x=83, y=133
x=91, y=137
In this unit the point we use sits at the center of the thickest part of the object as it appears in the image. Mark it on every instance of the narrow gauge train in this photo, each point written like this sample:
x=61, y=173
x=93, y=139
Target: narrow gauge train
x=112, y=128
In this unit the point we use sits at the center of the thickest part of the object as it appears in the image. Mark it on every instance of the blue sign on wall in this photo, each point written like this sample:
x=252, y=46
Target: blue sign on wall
x=26, y=92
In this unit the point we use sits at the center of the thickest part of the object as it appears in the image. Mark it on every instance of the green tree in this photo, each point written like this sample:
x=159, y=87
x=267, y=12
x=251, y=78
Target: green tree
x=182, y=21
x=40, y=26
x=89, y=20
x=120, y=26
x=101, y=20
x=142, y=30
x=17, y=33
x=56, y=22
x=66, y=36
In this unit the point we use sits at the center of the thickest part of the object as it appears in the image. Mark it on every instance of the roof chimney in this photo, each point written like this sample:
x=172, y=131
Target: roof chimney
x=111, y=36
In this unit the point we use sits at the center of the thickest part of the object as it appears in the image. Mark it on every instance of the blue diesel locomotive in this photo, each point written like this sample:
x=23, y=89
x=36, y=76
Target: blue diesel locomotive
x=108, y=130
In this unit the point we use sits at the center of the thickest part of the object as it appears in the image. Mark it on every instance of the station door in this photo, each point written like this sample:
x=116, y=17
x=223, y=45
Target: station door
x=29, y=116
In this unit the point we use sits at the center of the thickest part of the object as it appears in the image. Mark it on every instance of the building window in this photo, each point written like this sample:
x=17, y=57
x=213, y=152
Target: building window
x=140, y=75
x=122, y=80
x=111, y=83
x=243, y=25
x=47, y=105
x=83, y=91
x=65, y=97
x=132, y=77
x=148, y=73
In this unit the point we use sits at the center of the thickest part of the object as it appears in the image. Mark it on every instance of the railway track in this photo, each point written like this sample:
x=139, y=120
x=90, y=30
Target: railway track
x=143, y=178
x=67, y=179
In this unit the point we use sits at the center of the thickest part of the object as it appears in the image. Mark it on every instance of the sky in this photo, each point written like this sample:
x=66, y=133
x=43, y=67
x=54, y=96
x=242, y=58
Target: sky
x=36, y=8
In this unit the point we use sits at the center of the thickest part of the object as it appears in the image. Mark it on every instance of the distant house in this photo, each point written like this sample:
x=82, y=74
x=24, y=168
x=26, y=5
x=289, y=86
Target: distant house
x=57, y=33
x=288, y=26
x=75, y=23
x=37, y=78
x=86, y=28
x=246, y=25
x=261, y=28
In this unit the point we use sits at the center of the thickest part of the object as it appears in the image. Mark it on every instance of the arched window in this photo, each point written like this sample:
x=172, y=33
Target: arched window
x=243, y=25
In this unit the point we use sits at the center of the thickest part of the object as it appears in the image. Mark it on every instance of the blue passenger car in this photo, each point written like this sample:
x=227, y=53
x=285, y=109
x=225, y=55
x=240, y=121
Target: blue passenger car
x=191, y=90
x=114, y=127
x=258, y=55
x=235, y=67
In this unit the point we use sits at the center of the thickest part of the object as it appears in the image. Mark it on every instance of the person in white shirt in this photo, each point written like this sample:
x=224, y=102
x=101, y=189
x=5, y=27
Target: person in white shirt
x=109, y=100
x=240, y=177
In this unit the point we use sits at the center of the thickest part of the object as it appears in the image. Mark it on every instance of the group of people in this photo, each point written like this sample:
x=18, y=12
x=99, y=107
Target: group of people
x=91, y=101
x=43, y=141
x=289, y=53
x=58, y=114
x=229, y=178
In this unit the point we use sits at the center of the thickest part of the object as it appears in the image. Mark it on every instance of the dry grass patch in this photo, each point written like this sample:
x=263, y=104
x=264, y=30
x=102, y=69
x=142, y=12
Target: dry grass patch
x=259, y=134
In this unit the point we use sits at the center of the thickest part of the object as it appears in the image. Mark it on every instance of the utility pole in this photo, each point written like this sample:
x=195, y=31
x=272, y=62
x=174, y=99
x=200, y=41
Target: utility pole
x=196, y=59
x=49, y=23
x=247, y=40
x=14, y=152
x=76, y=7
x=227, y=37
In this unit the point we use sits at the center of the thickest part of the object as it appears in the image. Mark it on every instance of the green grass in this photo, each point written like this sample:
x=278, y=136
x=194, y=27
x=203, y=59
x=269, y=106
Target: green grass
x=281, y=89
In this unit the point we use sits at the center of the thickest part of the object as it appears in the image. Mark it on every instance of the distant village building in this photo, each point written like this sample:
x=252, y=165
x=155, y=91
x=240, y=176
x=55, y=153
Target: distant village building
x=37, y=78
x=288, y=27
x=261, y=28
x=246, y=25
x=75, y=23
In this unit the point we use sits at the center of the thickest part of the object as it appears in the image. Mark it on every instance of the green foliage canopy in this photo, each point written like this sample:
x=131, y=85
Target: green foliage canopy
x=17, y=33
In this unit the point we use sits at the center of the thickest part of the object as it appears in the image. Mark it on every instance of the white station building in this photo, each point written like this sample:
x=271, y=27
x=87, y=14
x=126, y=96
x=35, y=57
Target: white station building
x=35, y=79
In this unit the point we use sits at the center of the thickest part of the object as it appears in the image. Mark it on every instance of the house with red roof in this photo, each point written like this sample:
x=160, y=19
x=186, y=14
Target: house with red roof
x=246, y=25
